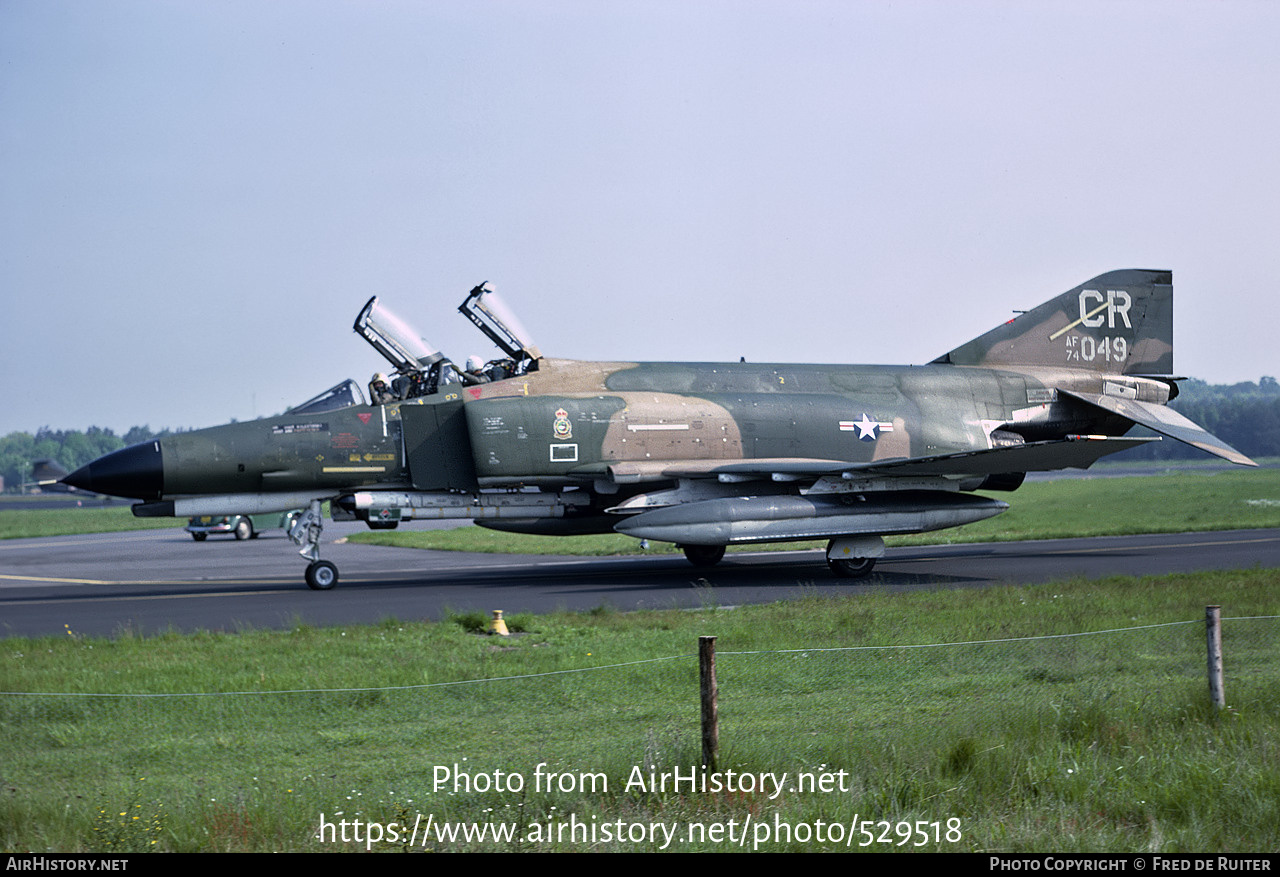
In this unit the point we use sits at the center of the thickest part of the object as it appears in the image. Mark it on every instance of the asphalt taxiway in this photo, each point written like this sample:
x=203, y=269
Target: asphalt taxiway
x=156, y=580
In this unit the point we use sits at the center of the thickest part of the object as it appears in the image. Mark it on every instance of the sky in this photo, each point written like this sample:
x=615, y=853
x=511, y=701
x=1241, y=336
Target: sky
x=197, y=197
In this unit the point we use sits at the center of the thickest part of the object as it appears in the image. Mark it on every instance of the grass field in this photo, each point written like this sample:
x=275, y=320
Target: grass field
x=241, y=741
x=30, y=523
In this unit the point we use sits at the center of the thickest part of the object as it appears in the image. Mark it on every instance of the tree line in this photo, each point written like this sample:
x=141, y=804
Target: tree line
x=1244, y=415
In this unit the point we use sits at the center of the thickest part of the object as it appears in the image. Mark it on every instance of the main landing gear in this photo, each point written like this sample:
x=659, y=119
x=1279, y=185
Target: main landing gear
x=857, y=568
x=853, y=557
x=703, y=556
x=321, y=574
x=848, y=557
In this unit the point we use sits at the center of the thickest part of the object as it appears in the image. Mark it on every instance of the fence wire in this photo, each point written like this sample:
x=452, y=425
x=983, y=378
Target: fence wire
x=214, y=769
x=882, y=693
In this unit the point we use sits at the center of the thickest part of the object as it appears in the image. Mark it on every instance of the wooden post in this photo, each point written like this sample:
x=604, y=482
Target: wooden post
x=1213, y=633
x=710, y=696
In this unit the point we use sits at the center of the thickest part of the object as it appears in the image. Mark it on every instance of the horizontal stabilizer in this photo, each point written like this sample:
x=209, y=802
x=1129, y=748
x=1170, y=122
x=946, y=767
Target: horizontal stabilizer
x=1165, y=421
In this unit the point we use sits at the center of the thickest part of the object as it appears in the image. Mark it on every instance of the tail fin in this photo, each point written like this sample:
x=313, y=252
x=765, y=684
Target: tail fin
x=1118, y=322
x=47, y=471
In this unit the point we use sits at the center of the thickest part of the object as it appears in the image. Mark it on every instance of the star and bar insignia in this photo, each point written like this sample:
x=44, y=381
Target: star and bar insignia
x=868, y=430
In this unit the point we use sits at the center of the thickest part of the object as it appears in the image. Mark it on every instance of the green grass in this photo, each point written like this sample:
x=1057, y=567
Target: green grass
x=1171, y=503
x=29, y=523
x=1084, y=743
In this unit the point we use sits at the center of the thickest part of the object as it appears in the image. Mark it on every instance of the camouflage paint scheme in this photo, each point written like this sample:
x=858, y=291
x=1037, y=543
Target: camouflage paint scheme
x=709, y=454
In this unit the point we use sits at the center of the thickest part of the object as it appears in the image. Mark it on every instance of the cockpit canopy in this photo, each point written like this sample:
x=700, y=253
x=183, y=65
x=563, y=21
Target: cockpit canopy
x=342, y=395
x=395, y=339
x=422, y=369
x=483, y=307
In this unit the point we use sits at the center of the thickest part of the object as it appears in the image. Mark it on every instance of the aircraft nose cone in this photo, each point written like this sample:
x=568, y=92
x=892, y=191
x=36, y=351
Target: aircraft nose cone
x=136, y=472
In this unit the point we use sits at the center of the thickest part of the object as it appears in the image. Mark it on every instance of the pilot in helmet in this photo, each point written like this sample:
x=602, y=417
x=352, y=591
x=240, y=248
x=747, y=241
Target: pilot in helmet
x=475, y=373
x=380, y=389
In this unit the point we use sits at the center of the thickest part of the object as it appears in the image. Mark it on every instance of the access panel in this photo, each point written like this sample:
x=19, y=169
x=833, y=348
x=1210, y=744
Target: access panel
x=438, y=447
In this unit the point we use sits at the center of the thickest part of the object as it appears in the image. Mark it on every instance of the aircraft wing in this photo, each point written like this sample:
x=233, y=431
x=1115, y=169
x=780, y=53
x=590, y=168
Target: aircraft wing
x=774, y=468
x=906, y=502
x=1165, y=421
x=1072, y=452
x=1077, y=452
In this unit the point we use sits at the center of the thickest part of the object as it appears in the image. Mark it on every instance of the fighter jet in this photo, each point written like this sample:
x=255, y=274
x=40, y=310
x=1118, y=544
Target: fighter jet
x=704, y=455
x=49, y=476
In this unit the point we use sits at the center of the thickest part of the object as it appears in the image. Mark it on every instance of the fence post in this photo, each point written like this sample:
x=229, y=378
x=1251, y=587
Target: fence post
x=710, y=697
x=1213, y=633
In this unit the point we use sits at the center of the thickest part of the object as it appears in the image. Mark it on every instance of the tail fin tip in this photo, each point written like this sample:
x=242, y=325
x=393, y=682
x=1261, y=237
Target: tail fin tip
x=1118, y=322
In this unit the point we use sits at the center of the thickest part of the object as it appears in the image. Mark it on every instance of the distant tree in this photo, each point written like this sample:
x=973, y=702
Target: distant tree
x=137, y=435
x=16, y=453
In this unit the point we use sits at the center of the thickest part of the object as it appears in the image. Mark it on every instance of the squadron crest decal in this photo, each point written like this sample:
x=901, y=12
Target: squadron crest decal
x=562, y=429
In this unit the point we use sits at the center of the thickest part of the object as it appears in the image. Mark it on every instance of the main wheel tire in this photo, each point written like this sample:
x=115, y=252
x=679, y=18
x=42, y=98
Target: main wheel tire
x=854, y=568
x=703, y=555
x=199, y=537
x=322, y=576
x=244, y=529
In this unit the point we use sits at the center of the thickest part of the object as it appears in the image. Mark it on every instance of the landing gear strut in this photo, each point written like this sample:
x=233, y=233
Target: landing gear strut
x=321, y=574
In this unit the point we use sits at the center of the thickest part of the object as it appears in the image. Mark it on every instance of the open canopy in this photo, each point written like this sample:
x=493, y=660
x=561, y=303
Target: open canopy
x=402, y=345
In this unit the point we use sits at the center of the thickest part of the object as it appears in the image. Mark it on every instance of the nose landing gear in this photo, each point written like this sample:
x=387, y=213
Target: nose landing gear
x=321, y=574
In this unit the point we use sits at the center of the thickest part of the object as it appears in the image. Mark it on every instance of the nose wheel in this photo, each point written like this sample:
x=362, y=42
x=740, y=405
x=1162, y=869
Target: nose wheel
x=321, y=575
